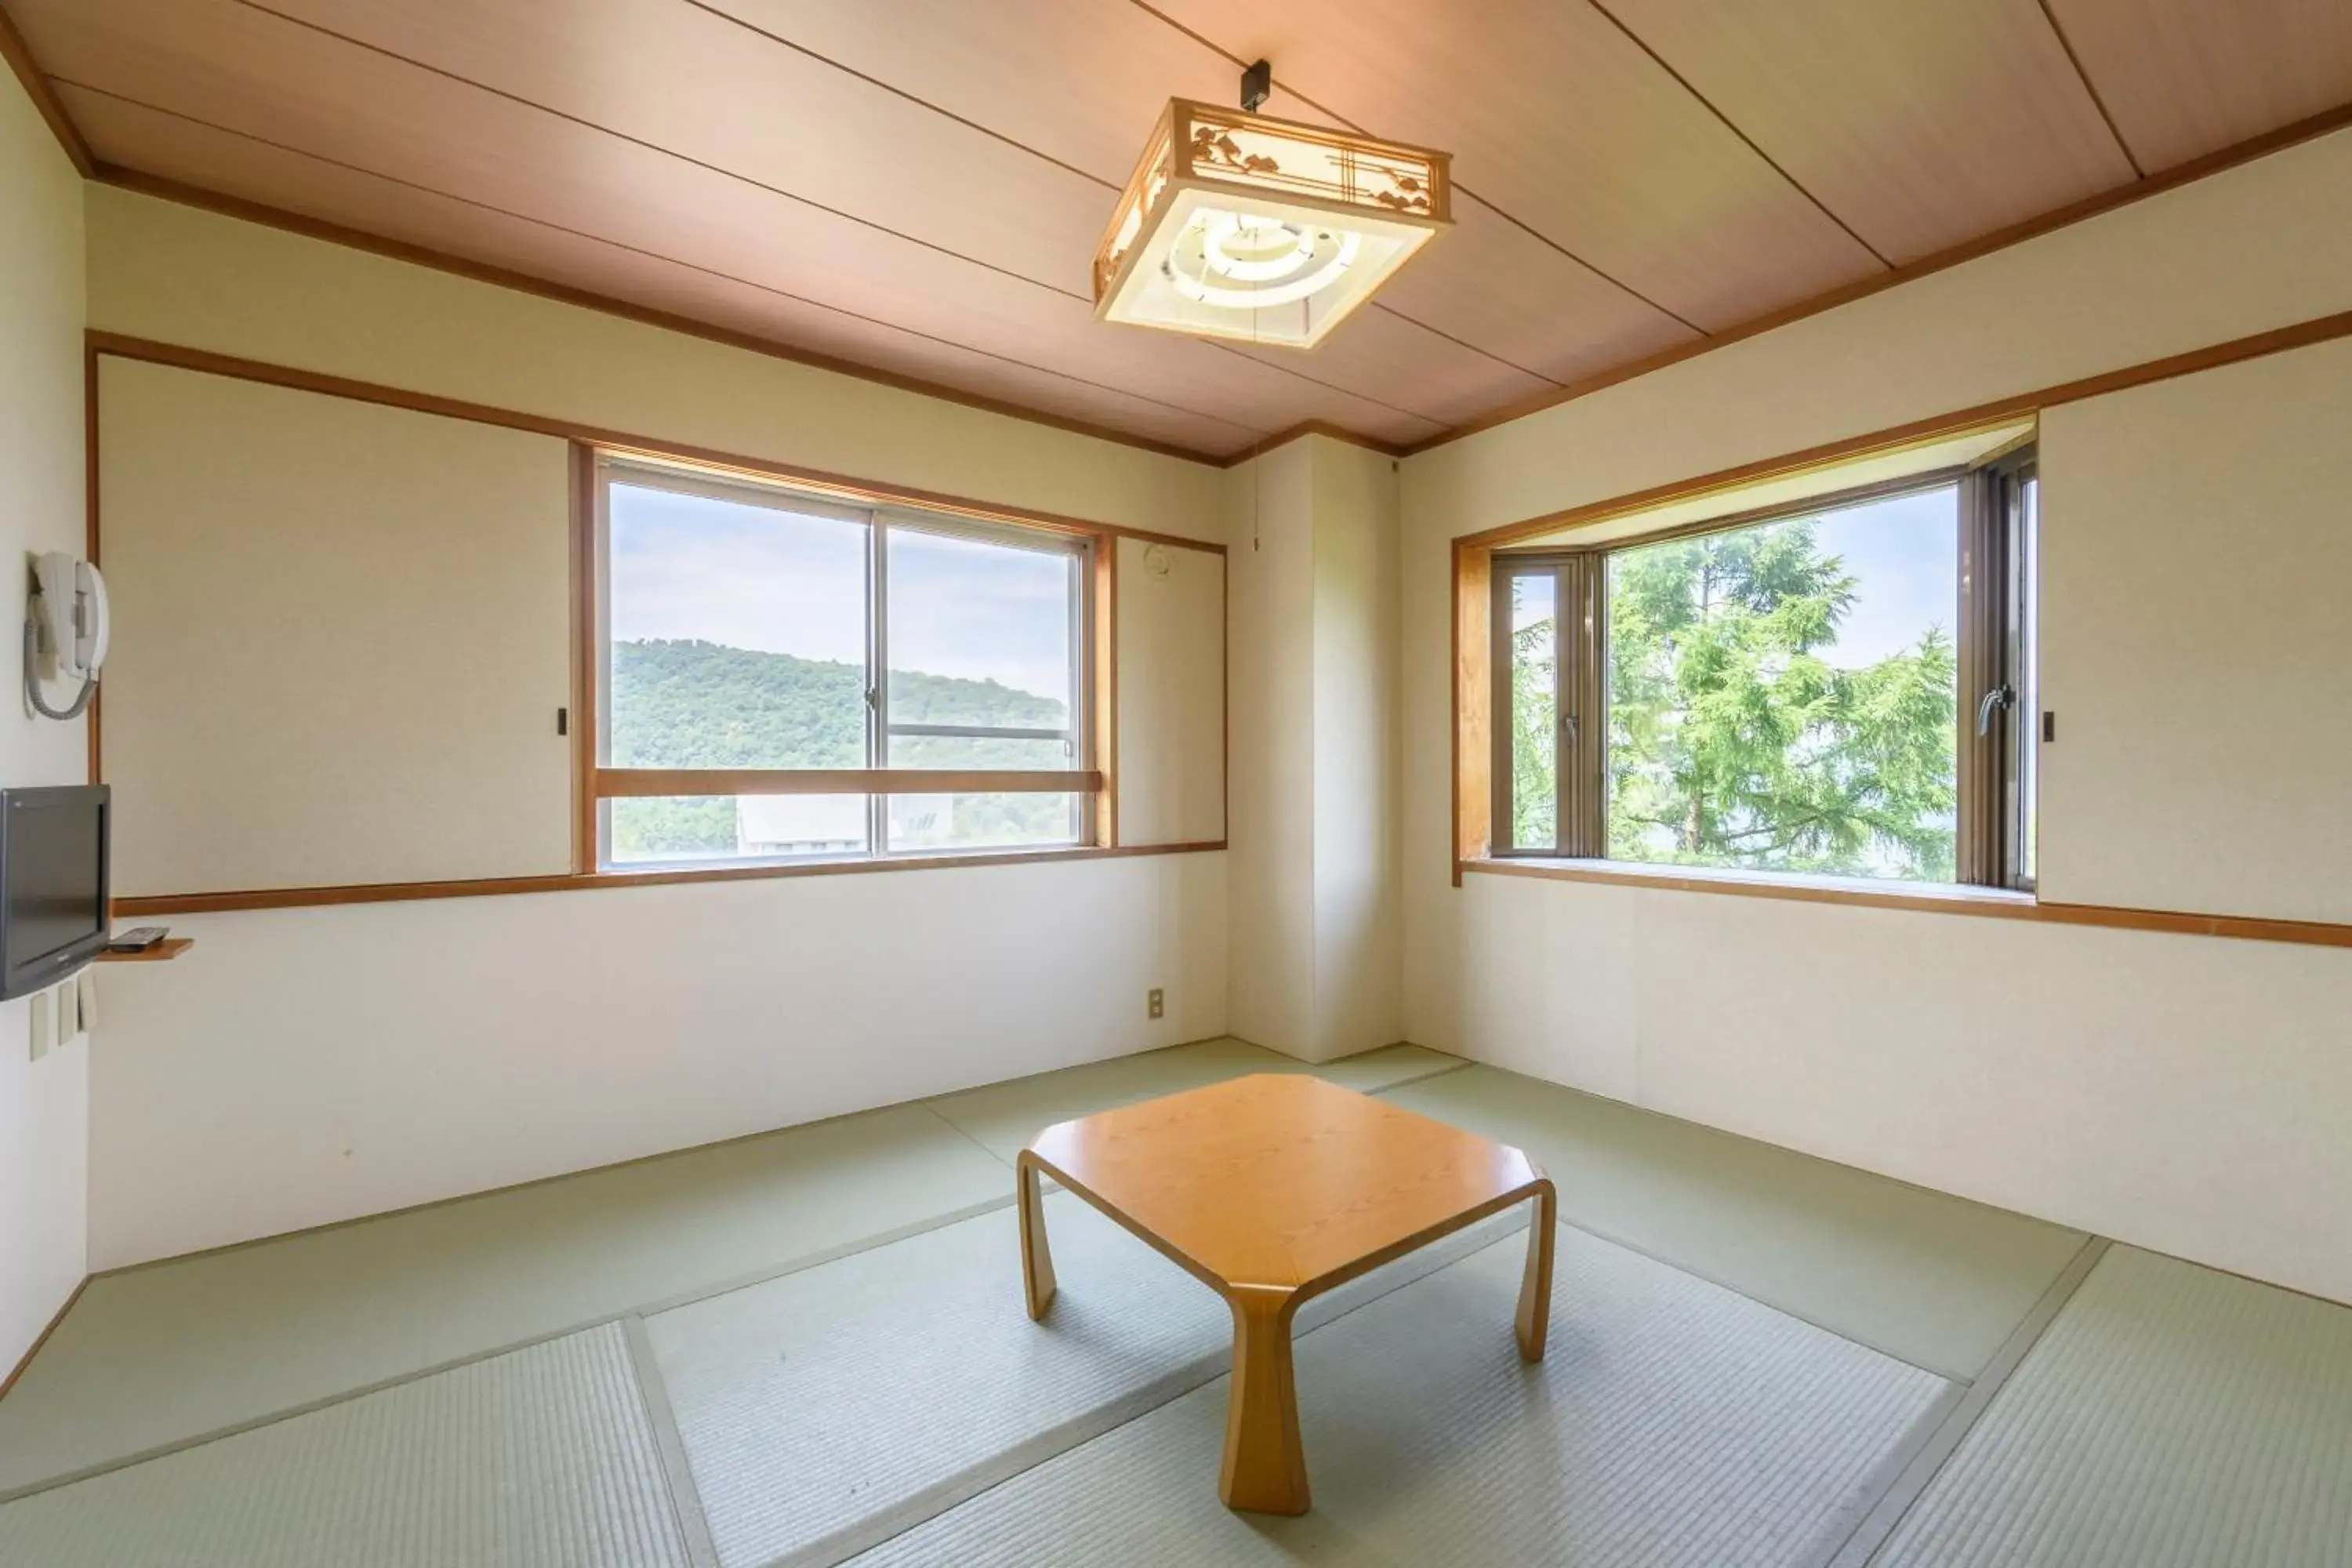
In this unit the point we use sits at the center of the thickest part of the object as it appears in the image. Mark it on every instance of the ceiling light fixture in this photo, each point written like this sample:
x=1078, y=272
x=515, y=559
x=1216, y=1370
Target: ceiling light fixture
x=1235, y=225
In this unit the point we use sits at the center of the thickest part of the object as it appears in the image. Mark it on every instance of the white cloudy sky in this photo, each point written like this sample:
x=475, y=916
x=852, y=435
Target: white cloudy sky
x=684, y=566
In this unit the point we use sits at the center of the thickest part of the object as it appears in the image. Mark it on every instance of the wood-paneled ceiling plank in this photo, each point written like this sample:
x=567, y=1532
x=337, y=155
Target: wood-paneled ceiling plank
x=687, y=82
x=690, y=82
x=1490, y=282
x=175, y=149
x=980, y=66
x=1557, y=118
x=2186, y=78
x=1083, y=85
x=1920, y=126
x=233, y=67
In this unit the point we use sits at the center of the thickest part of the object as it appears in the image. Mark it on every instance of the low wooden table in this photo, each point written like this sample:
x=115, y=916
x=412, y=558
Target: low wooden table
x=1271, y=1189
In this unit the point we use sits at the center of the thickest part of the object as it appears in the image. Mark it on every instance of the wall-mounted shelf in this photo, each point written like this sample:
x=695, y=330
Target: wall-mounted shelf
x=169, y=948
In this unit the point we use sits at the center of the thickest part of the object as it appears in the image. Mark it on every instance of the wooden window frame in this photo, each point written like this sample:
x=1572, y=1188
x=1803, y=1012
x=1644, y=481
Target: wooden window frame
x=1092, y=713
x=1992, y=812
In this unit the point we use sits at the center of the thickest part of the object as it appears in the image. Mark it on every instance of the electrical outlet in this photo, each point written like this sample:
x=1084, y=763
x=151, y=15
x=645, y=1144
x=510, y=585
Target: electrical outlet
x=1156, y=1002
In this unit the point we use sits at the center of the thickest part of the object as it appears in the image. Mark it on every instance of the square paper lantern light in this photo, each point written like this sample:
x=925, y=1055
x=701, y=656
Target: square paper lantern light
x=1239, y=225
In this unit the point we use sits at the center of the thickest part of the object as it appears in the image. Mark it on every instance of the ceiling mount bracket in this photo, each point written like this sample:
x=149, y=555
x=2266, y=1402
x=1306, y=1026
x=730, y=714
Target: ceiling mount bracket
x=1257, y=86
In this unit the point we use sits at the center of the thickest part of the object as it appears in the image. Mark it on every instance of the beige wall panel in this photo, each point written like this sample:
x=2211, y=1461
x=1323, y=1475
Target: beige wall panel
x=342, y=636
x=44, y=1104
x=2194, y=550
x=1171, y=694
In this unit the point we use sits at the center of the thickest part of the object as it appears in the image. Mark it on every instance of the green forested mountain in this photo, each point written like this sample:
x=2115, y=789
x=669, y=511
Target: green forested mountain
x=694, y=704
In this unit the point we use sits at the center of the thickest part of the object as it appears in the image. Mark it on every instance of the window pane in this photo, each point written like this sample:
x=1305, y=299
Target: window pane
x=1782, y=697
x=1535, y=712
x=953, y=822
x=980, y=634
x=738, y=635
x=979, y=752
x=702, y=828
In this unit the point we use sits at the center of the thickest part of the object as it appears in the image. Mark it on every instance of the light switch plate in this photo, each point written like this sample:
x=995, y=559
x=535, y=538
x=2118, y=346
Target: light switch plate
x=86, y=995
x=39, y=1013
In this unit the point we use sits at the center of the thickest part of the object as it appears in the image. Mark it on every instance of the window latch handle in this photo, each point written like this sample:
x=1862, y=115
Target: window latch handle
x=2000, y=697
x=1568, y=726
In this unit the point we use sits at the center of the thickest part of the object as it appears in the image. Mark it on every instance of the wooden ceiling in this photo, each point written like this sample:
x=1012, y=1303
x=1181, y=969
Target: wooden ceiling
x=915, y=186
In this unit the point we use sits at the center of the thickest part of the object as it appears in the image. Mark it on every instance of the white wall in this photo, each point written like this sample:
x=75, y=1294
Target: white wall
x=376, y=601
x=1270, y=830
x=43, y=1105
x=2189, y=1094
x=1315, y=923
x=304, y=1065
x=2195, y=630
x=1171, y=694
x=1359, y=916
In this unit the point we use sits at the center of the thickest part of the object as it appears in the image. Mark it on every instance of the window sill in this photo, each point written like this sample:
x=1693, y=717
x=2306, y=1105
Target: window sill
x=577, y=881
x=1759, y=884
x=1947, y=899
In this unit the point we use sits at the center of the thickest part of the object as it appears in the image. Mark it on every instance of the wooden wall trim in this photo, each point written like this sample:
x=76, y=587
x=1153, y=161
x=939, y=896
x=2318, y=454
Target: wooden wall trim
x=499, y=887
x=618, y=783
x=1922, y=432
x=585, y=651
x=2105, y=201
x=52, y=109
x=589, y=781
x=279, y=218
x=1988, y=902
x=861, y=491
x=2093, y=206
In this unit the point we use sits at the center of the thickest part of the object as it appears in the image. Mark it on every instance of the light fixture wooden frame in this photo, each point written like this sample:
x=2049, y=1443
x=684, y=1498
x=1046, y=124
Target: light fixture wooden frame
x=1387, y=199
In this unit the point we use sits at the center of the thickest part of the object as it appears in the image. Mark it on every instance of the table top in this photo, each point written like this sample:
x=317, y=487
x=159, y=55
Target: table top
x=1282, y=1180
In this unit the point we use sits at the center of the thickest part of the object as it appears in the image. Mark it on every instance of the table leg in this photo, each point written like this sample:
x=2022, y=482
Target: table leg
x=1036, y=1259
x=1535, y=1291
x=1265, y=1469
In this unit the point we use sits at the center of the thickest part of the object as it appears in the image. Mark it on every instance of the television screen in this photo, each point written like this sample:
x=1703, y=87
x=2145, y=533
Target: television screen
x=53, y=883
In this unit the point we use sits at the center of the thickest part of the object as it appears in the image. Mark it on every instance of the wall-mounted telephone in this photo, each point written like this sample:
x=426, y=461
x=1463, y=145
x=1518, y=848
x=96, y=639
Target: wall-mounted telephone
x=65, y=622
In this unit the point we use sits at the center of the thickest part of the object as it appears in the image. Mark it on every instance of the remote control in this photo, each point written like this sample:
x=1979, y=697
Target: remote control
x=137, y=940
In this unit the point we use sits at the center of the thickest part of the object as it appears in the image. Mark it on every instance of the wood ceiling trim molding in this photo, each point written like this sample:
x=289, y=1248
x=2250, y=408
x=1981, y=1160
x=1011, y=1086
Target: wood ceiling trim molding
x=45, y=99
x=2098, y=98
x=1771, y=162
x=1300, y=431
x=309, y=227
x=2092, y=207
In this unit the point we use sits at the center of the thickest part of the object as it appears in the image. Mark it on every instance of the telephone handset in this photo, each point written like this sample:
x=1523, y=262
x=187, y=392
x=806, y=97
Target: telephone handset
x=65, y=620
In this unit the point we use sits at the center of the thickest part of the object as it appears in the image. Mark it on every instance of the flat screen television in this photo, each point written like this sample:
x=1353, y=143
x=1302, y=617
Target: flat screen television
x=53, y=889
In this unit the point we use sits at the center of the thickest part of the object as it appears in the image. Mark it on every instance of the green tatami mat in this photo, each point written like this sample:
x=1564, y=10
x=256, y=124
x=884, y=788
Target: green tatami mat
x=1005, y=1116
x=825, y=1410
x=1936, y=1280
x=2171, y=1418
x=162, y=1354
x=1672, y=1422
x=541, y=1458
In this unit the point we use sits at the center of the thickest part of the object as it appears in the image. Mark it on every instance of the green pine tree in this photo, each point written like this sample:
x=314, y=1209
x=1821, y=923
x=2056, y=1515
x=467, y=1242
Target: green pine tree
x=1732, y=742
